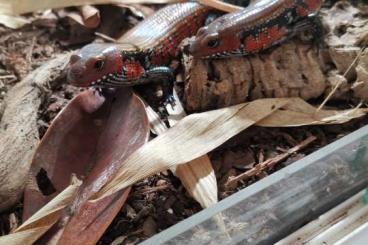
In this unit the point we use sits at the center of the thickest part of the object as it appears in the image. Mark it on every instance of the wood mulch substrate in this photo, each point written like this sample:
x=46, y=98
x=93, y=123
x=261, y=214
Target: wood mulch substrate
x=160, y=201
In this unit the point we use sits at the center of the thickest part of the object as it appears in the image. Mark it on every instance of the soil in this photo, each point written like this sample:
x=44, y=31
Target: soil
x=160, y=201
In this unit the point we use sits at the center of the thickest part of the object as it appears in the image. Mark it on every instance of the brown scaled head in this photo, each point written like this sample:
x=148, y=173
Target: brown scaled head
x=93, y=62
x=204, y=43
x=213, y=41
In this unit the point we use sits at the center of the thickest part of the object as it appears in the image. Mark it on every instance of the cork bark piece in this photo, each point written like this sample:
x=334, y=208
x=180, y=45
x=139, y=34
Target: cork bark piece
x=290, y=70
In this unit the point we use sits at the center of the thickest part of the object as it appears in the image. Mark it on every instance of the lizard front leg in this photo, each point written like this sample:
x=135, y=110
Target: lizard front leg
x=164, y=75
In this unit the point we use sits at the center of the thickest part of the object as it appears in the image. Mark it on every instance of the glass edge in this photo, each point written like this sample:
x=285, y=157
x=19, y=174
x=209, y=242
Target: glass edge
x=224, y=204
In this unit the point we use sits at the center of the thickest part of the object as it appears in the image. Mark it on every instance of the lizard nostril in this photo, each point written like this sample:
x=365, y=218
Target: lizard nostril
x=74, y=58
x=76, y=72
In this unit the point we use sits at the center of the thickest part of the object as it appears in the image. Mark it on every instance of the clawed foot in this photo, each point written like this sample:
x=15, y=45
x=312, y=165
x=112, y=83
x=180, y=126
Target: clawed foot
x=170, y=100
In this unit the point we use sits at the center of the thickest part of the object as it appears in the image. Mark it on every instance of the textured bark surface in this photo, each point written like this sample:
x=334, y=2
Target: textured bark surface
x=18, y=128
x=293, y=69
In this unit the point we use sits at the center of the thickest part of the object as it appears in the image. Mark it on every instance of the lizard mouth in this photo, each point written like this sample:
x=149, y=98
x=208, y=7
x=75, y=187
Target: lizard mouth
x=112, y=80
x=195, y=51
x=225, y=54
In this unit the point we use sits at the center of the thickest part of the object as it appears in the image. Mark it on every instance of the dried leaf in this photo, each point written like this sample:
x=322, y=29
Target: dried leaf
x=220, y=5
x=197, y=134
x=126, y=130
x=41, y=221
x=63, y=151
x=87, y=16
x=91, y=16
x=299, y=113
x=91, y=137
x=13, y=22
x=27, y=6
x=197, y=176
x=72, y=16
x=194, y=136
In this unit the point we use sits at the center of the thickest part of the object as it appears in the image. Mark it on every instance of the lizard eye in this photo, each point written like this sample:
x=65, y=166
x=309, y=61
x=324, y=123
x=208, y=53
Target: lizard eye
x=98, y=65
x=213, y=43
x=212, y=40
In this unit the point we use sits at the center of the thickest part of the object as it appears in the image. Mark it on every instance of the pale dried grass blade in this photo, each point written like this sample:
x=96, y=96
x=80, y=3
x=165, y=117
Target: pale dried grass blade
x=26, y=237
x=300, y=113
x=33, y=228
x=194, y=136
x=226, y=7
x=157, y=125
x=13, y=22
x=27, y=6
x=91, y=16
x=197, y=176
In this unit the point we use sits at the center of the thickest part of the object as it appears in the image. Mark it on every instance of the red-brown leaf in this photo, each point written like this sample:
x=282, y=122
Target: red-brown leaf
x=90, y=138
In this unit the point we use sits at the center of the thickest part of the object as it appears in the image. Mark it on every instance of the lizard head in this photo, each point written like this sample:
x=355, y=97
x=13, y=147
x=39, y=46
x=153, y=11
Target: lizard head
x=212, y=42
x=93, y=63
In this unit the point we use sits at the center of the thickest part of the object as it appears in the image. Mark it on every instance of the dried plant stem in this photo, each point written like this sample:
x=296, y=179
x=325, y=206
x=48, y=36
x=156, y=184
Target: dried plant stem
x=152, y=189
x=8, y=77
x=340, y=82
x=226, y=7
x=269, y=163
x=105, y=37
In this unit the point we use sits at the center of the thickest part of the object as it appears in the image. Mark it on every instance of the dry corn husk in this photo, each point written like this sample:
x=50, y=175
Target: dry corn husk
x=197, y=134
x=197, y=176
x=226, y=7
x=299, y=113
x=190, y=138
x=40, y=222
